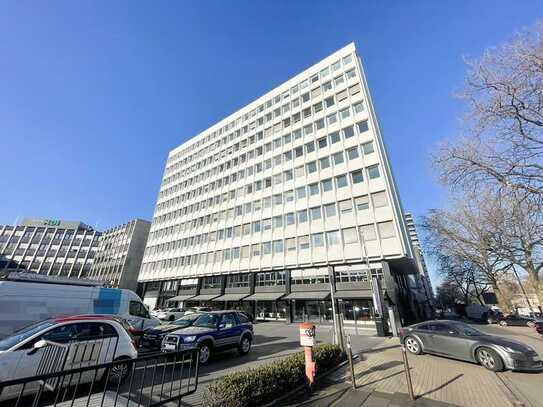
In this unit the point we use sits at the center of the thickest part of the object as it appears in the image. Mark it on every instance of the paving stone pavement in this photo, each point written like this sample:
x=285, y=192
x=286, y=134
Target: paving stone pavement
x=437, y=381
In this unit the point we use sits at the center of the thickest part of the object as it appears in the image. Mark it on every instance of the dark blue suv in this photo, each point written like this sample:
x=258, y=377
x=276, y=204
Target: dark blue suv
x=211, y=332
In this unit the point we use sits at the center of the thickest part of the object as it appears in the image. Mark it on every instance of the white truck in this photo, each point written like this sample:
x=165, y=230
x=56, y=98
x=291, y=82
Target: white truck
x=26, y=298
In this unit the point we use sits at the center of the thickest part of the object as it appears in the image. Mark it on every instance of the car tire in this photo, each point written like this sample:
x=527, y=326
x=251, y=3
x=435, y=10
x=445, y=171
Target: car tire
x=205, y=353
x=503, y=323
x=413, y=345
x=171, y=318
x=244, y=345
x=531, y=324
x=489, y=359
x=119, y=372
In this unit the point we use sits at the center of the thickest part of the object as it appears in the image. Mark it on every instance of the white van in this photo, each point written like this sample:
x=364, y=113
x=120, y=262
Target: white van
x=28, y=298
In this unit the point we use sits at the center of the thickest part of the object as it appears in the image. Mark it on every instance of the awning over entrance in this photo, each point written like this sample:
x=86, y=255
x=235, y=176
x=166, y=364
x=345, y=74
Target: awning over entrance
x=232, y=297
x=204, y=297
x=264, y=297
x=182, y=297
x=308, y=295
x=353, y=294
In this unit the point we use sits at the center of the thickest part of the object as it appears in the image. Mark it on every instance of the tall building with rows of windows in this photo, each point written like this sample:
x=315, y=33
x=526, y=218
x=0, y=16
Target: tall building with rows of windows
x=282, y=204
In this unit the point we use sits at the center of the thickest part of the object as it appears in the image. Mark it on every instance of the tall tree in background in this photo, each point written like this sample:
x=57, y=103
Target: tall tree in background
x=503, y=142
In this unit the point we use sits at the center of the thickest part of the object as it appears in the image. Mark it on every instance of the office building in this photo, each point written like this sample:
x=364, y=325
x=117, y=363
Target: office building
x=48, y=246
x=283, y=203
x=120, y=253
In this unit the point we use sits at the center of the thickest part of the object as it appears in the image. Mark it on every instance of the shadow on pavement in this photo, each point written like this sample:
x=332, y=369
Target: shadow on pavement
x=440, y=386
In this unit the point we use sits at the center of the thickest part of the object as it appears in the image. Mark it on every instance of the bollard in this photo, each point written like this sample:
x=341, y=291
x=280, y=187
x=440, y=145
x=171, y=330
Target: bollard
x=407, y=373
x=307, y=340
x=350, y=357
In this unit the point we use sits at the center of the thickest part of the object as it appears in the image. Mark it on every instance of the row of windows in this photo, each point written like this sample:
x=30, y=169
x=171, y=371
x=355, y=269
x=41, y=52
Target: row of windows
x=276, y=145
x=285, y=95
x=328, y=105
x=329, y=211
x=347, y=237
x=323, y=163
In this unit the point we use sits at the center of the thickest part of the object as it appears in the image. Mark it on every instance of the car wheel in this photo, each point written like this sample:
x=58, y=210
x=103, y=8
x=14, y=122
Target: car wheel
x=204, y=354
x=531, y=324
x=489, y=359
x=503, y=323
x=413, y=345
x=245, y=345
x=119, y=372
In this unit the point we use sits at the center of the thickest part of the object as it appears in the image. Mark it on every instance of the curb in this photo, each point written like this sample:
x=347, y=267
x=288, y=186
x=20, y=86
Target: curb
x=303, y=386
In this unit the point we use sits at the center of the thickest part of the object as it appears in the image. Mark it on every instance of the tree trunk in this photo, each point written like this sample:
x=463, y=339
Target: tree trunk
x=537, y=285
x=503, y=301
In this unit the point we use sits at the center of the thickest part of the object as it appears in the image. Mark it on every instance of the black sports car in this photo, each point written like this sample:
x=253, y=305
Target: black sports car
x=152, y=337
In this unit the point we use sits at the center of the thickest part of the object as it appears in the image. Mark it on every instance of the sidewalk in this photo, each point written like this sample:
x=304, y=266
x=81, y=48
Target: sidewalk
x=380, y=380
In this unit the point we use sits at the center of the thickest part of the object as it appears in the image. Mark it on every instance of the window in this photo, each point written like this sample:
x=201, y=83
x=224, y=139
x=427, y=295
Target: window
x=319, y=124
x=347, y=60
x=345, y=113
x=315, y=213
x=353, y=90
x=367, y=148
x=313, y=189
x=300, y=192
x=290, y=244
x=245, y=251
x=338, y=158
x=348, y=132
x=332, y=238
x=362, y=203
x=363, y=126
x=368, y=232
x=373, y=172
x=358, y=107
x=288, y=196
x=255, y=250
x=350, y=236
x=386, y=230
x=266, y=224
x=278, y=199
x=339, y=80
x=334, y=137
x=289, y=218
x=322, y=142
x=299, y=171
x=336, y=65
x=309, y=147
x=324, y=163
x=352, y=153
x=288, y=175
x=341, y=181
x=277, y=246
x=326, y=185
x=309, y=128
x=278, y=222
x=303, y=242
x=330, y=210
x=357, y=177
x=298, y=152
x=302, y=216
x=331, y=118
x=317, y=240
x=277, y=179
x=257, y=227
x=379, y=199
x=345, y=207
x=137, y=309
x=311, y=167
x=266, y=248
x=329, y=101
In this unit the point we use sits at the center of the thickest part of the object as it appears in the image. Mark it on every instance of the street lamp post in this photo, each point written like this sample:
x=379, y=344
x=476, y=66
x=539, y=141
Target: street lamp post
x=355, y=310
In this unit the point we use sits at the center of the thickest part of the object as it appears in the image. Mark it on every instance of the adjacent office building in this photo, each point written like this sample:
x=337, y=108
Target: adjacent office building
x=48, y=246
x=120, y=253
x=282, y=205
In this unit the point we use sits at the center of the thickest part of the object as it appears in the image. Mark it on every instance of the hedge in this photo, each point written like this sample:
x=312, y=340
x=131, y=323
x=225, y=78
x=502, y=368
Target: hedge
x=263, y=384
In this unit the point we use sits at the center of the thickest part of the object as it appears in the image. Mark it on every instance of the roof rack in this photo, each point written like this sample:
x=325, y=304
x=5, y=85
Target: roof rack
x=40, y=278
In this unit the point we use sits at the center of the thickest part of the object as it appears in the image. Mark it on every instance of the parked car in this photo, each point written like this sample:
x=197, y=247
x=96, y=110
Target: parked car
x=192, y=310
x=21, y=353
x=516, y=320
x=170, y=314
x=539, y=327
x=211, y=332
x=461, y=341
x=152, y=337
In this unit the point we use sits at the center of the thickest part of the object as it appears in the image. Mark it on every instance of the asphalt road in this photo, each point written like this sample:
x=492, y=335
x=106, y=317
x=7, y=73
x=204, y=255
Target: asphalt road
x=528, y=387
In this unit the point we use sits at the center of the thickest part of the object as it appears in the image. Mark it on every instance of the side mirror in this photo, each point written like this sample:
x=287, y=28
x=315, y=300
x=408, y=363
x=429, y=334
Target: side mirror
x=37, y=346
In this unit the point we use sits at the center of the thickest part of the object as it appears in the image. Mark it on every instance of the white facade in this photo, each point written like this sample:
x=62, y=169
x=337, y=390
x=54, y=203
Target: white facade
x=298, y=178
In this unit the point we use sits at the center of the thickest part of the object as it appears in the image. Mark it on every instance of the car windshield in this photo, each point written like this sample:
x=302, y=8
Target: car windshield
x=186, y=320
x=23, y=334
x=207, y=320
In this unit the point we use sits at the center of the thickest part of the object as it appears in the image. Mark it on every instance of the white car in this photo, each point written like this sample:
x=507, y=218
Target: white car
x=170, y=314
x=27, y=350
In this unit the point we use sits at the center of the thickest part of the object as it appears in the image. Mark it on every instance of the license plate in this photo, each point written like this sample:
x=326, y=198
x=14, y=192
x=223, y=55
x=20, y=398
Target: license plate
x=169, y=346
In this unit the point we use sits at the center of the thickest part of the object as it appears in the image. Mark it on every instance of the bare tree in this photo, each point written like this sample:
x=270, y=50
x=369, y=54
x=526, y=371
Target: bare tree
x=503, y=142
x=462, y=235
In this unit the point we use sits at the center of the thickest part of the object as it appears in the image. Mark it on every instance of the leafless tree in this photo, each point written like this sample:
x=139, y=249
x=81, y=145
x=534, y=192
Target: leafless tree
x=503, y=141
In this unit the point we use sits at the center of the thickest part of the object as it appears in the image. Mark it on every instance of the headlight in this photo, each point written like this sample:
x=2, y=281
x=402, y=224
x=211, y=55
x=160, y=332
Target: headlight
x=189, y=338
x=511, y=350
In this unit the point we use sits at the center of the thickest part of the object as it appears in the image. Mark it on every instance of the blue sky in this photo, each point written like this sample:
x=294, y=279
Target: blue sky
x=93, y=94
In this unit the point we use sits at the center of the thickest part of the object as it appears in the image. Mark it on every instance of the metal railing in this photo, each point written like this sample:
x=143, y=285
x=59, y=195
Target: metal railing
x=152, y=380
